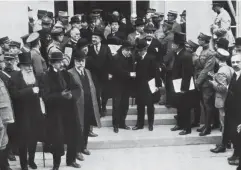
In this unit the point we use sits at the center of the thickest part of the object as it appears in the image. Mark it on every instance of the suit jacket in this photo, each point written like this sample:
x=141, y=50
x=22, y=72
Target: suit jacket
x=146, y=69
x=80, y=96
x=132, y=37
x=156, y=49
x=99, y=64
x=222, y=79
x=39, y=64
x=5, y=77
x=120, y=35
x=167, y=43
x=176, y=27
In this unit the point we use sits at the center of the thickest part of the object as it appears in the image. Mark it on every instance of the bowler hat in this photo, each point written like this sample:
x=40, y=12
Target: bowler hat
x=192, y=44
x=4, y=39
x=56, y=56
x=99, y=33
x=238, y=41
x=141, y=44
x=24, y=58
x=75, y=19
x=15, y=44
x=205, y=37
x=223, y=43
x=82, y=42
x=79, y=55
x=32, y=37
x=139, y=22
x=126, y=44
x=179, y=38
x=223, y=54
x=149, y=28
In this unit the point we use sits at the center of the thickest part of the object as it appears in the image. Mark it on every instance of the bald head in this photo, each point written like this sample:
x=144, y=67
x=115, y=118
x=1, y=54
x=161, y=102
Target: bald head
x=236, y=62
x=75, y=34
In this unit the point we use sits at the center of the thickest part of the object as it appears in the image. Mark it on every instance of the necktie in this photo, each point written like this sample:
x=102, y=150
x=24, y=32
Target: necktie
x=235, y=77
x=97, y=49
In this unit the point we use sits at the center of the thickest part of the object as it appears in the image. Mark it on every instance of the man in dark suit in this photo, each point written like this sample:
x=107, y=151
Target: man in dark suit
x=122, y=85
x=98, y=61
x=62, y=125
x=146, y=70
x=88, y=106
x=233, y=107
x=25, y=94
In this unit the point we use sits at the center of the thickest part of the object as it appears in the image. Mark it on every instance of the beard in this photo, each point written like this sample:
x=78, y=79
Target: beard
x=28, y=77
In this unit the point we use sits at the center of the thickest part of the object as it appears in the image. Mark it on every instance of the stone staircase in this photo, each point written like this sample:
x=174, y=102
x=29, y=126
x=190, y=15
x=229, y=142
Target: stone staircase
x=160, y=136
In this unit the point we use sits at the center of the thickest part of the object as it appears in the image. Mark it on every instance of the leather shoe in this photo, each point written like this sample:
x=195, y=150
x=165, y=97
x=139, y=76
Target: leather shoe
x=233, y=157
x=125, y=127
x=234, y=162
x=228, y=145
x=55, y=168
x=86, y=152
x=74, y=165
x=150, y=127
x=205, y=132
x=218, y=149
x=24, y=168
x=92, y=134
x=32, y=165
x=80, y=157
x=201, y=129
x=175, y=128
x=137, y=127
x=116, y=129
x=185, y=132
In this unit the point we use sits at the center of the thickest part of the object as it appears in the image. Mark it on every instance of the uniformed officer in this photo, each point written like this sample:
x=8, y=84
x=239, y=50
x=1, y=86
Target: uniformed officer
x=57, y=35
x=204, y=66
x=14, y=47
x=172, y=16
x=63, y=20
x=158, y=22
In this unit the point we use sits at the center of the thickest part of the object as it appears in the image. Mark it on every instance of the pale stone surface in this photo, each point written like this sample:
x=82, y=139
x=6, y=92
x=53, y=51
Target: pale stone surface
x=191, y=157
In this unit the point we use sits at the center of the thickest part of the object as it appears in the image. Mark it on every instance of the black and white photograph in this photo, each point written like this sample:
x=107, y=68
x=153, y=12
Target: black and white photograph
x=120, y=84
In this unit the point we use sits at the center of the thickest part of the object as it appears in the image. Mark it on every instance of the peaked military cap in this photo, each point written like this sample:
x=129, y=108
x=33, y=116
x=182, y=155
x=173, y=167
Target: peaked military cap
x=205, y=37
x=46, y=20
x=97, y=11
x=9, y=56
x=171, y=12
x=33, y=37
x=15, y=44
x=4, y=39
x=57, y=31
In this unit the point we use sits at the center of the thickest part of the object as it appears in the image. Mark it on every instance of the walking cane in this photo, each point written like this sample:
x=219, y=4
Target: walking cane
x=43, y=154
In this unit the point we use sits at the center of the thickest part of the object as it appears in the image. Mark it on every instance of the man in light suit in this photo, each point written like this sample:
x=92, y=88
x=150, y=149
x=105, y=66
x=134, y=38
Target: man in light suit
x=220, y=84
x=138, y=33
x=221, y=28
x=88, y=100
x=172, y=16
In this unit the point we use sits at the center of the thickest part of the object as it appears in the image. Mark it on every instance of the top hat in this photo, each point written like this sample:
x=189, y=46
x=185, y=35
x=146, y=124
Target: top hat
x=4, y=39
x=24, y=58
x=223, y=43
x=179, y=38
x=205, y=37
x=192, y=44
x=139, y=22
x=238, y=41
x=82, y=42
x=33, y=37
x=15, y=44
x=56, y=56
x=141, y=44
x=183, y=13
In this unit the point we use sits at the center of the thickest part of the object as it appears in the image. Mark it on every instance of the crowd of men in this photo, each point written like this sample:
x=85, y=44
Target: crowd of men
x=55, y=87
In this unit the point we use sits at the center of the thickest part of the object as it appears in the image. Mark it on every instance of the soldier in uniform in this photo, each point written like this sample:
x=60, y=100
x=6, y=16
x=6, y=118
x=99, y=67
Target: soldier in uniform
x=183, y=21
x=14, y=47
x=4, y=43
x=11, y=63
x=204, y=67
x=222, y=25
x=138, y=33
x=63, y=20
x=172, y=16
x=158, y=22
x=57, y=35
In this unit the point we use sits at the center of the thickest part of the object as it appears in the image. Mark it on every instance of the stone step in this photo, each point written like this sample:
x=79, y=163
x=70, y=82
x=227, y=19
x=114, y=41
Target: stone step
x=160, y=136
x=159, y=119
x=159, y=109
x=131, y=101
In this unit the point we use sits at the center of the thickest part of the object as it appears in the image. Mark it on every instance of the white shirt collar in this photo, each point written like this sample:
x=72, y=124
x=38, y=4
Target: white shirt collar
x=179, y=51
x=55, y=70
x=144, y=55
x=79, y=71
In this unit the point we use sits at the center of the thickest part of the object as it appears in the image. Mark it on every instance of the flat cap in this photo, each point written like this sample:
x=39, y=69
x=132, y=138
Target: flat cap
x=15, y=44
x=203, y=36
x=33, y=37
x=171, y=12
x=4, y=39
x=63, y=14
x=57, y=31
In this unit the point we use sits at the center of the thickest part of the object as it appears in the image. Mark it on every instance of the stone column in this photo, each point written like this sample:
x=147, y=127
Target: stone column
x=133, y=8
x=238, y=18
x=70, y=8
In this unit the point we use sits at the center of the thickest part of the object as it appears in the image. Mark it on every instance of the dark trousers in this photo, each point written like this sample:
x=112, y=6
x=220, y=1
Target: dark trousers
x=226, y=132
x=141, y=114
x=11, y=146
x=197, y=107
x=169, y=88
x=120, y=108
x=208, y=104
x=86, y=134
x=27, y=148
x=4, y=159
